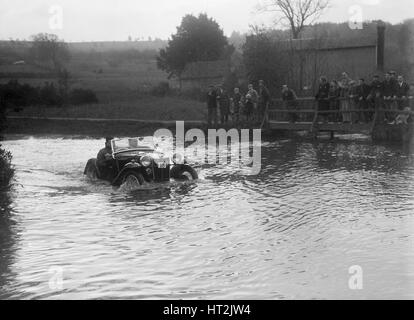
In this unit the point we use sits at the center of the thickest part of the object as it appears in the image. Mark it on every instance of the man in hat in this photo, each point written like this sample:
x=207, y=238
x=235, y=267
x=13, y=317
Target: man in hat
x=323, y=97
x=104, y=158
x=362, y=92
x=224, y=104
x=264, y=100
x=389, y=87
x=252, y=97
x=375, y=97
x=402, y=92
x=289, y=99
x=237, y=101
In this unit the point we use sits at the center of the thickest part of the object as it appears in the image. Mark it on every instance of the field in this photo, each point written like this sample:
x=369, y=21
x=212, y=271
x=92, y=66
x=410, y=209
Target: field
x=121, y=79
x=145, y=108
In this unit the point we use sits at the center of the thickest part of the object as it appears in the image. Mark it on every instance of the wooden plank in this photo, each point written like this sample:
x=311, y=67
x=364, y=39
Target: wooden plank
x=289, y=126
x=307, y=126
x=345, y=127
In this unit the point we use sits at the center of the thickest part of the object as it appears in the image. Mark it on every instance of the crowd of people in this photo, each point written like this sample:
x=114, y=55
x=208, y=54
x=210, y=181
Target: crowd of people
x=250, y=107
x=337, y=101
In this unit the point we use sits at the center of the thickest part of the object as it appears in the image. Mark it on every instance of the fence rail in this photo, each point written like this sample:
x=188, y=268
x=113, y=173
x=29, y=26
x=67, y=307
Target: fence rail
x=307, y=112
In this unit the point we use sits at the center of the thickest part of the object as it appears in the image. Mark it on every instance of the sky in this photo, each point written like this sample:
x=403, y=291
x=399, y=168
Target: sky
x=116, y=20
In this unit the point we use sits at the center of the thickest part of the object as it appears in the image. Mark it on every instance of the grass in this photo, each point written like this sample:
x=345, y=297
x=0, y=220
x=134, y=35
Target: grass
x=146, y=108
x=121, y=88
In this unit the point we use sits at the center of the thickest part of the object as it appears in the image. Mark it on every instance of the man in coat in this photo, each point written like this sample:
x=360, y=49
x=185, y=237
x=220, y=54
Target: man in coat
x=389, y=86
x=402, y=92
x=323, y=97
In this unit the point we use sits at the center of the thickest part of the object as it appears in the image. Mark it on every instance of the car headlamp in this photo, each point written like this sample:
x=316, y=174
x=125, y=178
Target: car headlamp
x=177, y=159
x=146, y=161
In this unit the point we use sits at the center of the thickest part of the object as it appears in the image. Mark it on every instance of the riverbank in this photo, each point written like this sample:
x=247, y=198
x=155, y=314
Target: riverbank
x=145, y=108
x=90, y=127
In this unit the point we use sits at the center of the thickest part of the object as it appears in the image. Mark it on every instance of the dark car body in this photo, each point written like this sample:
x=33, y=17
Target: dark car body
x=140, y=162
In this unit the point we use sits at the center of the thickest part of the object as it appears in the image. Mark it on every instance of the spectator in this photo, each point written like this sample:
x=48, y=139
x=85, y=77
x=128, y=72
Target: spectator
x=290, y=101
x=375, y=97
x=236, y=104
x=264, y=100
x=224, y=104
x=344, y=103
x=252, y=98
x=402, y=92
x=389, y=87
x=362, y=92
x=353, y=101
x=334, y=94
x=212, y=106
x=322, y=97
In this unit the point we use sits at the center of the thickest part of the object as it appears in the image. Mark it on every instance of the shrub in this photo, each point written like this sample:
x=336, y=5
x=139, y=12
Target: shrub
x=82, y=96
x=6, y=169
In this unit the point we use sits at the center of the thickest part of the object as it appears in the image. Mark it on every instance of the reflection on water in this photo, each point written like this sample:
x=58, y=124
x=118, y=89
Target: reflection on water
x=293, y=231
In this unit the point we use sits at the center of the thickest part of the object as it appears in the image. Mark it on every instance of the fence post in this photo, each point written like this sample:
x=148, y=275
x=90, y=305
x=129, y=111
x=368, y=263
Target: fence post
x=315, y=120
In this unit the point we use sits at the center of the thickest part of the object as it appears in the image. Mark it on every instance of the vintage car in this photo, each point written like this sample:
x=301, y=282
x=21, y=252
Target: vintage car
x=137, y=161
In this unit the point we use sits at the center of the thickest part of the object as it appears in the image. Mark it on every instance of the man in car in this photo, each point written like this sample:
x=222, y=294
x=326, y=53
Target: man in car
x=104, y=159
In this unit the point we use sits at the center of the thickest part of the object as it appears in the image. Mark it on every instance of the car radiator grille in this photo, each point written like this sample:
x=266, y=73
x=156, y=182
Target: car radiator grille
x=161, y=175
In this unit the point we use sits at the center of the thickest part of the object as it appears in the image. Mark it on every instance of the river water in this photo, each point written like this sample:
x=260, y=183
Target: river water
x=291, y=232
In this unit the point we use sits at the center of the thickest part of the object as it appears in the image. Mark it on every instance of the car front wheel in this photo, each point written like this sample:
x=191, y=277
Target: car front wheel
x=133, y=179
x=184, y=173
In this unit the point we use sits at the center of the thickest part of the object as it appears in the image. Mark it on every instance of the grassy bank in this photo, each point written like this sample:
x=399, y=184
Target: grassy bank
x=80, y=128
x=146, y=108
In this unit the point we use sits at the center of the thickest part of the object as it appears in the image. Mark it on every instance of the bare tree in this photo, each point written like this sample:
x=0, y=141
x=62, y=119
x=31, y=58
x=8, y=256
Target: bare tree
x=297, y=13
x=48, y=48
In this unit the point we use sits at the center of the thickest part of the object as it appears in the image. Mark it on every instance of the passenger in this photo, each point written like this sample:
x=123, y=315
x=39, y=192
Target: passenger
x=344, y=103
x=389, y=86
x=334, y=94
x=212, y=106
x=323, y=98
x=252, y=98
x=289, y=98
x=402, y=92
x=264, y=100
x=236, y=105
x=104, y=159
x=224, y=104
x=363, y=92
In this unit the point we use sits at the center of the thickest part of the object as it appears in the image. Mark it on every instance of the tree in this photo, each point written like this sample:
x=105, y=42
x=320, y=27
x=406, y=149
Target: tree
x=197, y=39
x=297, y=13
x=265, y=60
x=48, y=48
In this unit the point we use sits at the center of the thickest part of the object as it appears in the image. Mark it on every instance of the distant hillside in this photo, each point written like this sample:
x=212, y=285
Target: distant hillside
x=118, y=45
x=98, y=45
x=116, y=71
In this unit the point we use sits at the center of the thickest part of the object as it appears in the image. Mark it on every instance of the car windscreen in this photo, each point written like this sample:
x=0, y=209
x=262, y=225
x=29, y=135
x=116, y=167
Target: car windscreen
x=132, y=145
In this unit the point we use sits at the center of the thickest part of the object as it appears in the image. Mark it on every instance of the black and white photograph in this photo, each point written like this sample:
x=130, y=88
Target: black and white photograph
x=205, y=151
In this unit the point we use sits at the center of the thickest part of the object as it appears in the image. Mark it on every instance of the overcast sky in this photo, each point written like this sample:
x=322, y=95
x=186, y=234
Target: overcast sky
x=95, y=20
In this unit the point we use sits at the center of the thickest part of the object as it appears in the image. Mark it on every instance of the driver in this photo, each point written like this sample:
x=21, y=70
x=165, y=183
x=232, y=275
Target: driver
x=104, y=158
